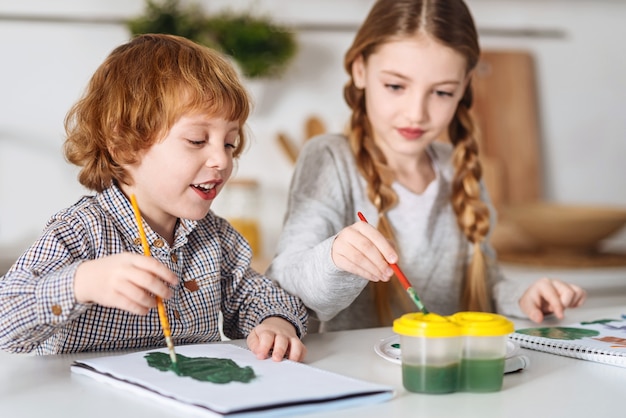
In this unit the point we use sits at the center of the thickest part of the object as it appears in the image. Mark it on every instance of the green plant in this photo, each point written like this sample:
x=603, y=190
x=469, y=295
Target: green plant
x=168, y=17
x=260, y=47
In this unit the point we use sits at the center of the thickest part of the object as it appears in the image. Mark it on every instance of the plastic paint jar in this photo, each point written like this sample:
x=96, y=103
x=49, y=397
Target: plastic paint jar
x=431, y=352
x=484, y=350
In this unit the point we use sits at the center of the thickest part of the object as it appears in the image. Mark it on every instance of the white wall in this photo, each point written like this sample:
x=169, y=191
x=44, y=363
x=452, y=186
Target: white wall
x=45, y=66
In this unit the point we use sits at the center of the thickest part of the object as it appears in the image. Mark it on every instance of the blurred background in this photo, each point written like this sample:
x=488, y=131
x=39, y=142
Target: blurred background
x=560, y=75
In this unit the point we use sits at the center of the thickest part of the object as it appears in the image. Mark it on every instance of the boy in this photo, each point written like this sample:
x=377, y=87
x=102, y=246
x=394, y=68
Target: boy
x=163, y=119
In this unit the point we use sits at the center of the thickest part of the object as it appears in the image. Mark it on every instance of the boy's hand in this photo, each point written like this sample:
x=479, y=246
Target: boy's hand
x=125, y=281
x=550, y=296
x=277, y=337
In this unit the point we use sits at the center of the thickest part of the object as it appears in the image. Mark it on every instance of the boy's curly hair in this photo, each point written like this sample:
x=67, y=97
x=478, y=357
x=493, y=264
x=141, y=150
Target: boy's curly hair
x=137, y=94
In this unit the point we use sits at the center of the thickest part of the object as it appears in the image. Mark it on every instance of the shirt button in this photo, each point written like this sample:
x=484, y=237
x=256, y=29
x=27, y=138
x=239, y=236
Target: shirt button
x=191, y=285
x=56, y=310
x=176, y=314
x=137, y=241
x=158, y=243
x=174, y=258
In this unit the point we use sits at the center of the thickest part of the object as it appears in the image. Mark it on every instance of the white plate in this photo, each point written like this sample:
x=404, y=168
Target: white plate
x=389, y=349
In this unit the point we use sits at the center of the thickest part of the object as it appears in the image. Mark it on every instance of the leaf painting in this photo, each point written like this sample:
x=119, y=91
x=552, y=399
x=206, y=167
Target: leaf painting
x=206, y=369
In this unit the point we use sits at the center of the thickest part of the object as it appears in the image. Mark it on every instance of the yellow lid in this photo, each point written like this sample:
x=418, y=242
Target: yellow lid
x=482, y=323
x=425, y=325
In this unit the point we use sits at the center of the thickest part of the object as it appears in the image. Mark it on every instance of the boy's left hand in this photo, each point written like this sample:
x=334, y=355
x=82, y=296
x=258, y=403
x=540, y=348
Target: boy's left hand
x=550, y=296
x=277, y=337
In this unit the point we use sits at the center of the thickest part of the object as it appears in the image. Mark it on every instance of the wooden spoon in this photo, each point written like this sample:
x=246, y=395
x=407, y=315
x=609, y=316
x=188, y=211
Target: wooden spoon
x=288, y=148
x=313, y=127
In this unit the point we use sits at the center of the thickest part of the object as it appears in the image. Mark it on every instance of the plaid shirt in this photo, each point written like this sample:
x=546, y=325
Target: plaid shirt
x=38, y=310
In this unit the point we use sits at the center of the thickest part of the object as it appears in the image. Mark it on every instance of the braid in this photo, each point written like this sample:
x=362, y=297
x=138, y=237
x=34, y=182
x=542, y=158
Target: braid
x=472, y=213
x=372, y=165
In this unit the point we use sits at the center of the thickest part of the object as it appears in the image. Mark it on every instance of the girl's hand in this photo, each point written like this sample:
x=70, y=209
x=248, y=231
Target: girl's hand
x=276, y=337
x=362, y=250
x=125, y=281
x=550, y=296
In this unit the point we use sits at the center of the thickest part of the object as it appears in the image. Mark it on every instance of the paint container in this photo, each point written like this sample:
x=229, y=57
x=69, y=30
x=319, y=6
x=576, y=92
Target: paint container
x=484, y=350
x=431, y=352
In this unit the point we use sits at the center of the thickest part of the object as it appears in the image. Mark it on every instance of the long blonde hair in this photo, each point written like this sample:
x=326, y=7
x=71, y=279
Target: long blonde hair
x=450, y=22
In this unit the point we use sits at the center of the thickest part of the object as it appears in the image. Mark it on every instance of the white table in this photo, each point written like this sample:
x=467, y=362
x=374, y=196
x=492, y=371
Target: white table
x=553, y=386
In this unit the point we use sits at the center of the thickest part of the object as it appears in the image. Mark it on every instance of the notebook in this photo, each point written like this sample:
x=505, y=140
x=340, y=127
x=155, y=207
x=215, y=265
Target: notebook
x=283, y=388
x=602, y=340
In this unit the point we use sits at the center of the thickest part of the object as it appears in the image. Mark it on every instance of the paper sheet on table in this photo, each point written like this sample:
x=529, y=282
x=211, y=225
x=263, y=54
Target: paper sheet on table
x=280, y=388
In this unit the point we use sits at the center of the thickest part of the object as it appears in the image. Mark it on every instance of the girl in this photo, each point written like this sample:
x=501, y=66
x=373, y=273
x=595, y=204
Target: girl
x=162, y=118
x=409, y=162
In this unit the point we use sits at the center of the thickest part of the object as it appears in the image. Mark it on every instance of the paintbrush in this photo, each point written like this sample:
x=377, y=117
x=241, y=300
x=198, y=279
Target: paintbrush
x=160, y=306
x=403, y=280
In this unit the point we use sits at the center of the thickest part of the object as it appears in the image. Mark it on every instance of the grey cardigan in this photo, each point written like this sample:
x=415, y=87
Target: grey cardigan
x=326, y=192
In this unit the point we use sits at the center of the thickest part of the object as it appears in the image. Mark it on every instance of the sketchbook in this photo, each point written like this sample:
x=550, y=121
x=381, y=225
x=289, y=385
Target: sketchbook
x=277, y=389
x=602, y=340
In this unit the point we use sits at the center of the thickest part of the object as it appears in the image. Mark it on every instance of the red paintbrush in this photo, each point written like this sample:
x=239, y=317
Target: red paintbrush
x=403, y=280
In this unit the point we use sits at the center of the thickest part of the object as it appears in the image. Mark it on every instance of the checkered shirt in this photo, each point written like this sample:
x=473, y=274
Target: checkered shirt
x=38, y=310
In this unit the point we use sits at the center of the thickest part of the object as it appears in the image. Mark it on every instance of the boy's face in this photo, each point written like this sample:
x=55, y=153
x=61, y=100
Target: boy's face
x=180, y=175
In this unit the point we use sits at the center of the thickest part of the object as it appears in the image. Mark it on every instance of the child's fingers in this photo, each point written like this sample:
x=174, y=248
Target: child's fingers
x=156, y=268
x=135, y=294
x=571, y=294
x=532, y=308
x=580, y=299
x=361, y=266
x=275, y=337
x=552, y=301
x=129, y=305
x=150, y=284
x=297, y=350
x=565, y=291
x=260, y=343
x=280, y=347
x=356, y=253
x=540, y=298
x=375, y=244
x=547, y=296
x=536, y=316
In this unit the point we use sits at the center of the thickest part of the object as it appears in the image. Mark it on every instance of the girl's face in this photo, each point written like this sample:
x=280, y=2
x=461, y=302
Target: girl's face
x=412, y=88
x=180, y=175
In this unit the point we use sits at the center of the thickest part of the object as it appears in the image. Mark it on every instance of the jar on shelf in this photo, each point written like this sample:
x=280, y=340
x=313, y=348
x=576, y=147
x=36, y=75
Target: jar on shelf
x=240, y=203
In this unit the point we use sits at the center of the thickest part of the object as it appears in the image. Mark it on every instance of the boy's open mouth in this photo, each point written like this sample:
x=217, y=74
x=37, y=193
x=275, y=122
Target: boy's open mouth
x=205, y=187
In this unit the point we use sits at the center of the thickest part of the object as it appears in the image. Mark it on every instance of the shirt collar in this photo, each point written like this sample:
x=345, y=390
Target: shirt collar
x=120, y=210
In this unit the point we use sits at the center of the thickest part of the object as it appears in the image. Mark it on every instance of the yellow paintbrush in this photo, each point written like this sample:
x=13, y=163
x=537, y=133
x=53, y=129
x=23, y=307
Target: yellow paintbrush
x=160, y=307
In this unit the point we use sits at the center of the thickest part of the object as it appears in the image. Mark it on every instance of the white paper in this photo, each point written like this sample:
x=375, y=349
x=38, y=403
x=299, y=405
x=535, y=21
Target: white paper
x=279, y=388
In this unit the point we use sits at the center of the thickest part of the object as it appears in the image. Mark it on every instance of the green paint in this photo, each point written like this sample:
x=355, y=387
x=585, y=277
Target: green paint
x=430, y=379
x=481, y=375
x=205, y=369
x=599, y=321
x=396, y=345
x=416, y=300
x=560, y=333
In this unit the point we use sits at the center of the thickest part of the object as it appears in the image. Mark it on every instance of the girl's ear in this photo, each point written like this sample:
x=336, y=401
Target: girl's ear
x=358, y=72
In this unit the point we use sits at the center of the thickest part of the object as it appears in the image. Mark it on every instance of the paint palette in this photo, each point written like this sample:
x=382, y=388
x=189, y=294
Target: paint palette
x=389, y=349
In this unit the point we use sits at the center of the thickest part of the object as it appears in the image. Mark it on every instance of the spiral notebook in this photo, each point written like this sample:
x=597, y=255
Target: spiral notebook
x=284, y=388
x=602, y=340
